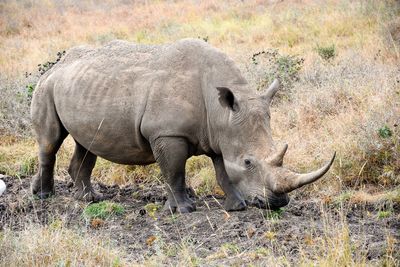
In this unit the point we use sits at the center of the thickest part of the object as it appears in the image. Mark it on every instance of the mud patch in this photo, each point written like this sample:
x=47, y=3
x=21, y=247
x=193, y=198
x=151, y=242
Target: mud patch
x=214, y=236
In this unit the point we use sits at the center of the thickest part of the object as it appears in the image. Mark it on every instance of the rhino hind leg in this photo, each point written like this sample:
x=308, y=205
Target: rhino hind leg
x=50, y=134
x=171, y=154
x=80, y=170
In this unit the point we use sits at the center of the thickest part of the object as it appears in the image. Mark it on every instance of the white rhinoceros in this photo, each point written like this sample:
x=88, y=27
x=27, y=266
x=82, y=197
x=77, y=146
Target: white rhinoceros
x=139, y=104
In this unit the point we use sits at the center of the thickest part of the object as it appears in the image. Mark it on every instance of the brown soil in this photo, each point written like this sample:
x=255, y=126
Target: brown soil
x=292, y=233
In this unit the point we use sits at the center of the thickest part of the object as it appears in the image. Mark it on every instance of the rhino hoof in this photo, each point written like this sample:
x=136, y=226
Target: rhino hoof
x=43, y=194
x=41, y=191
x=185, y=207
x=89, y=195
x=234, y=205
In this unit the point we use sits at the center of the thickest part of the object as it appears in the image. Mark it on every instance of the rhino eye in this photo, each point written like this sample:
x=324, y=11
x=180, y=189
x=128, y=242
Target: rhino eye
x=247, y=162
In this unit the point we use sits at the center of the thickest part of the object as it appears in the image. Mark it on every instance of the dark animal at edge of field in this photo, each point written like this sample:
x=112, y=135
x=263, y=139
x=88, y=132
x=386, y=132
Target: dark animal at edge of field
x=139, y=104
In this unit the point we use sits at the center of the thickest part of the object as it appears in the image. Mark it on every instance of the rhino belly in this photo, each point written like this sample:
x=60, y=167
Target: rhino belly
x=111, y=138
x=106, y=122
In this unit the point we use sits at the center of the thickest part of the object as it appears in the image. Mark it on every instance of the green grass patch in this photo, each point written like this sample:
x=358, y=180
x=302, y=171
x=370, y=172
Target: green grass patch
x=274, y=214
x=28, y=166
x=103, y=210
x=384, y=214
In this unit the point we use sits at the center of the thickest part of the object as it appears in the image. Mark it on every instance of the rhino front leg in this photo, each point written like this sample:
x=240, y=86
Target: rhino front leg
x=234, y=200
x=80, y=169
x=171, y=154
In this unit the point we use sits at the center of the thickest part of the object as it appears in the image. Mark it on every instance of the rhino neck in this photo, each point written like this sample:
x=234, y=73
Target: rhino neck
x=217, y=116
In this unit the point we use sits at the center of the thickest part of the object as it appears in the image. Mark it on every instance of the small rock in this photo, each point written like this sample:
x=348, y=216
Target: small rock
x=2, y=187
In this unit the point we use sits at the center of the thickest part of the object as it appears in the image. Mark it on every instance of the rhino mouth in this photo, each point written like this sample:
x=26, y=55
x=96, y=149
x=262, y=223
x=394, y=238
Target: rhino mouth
x=271, y=203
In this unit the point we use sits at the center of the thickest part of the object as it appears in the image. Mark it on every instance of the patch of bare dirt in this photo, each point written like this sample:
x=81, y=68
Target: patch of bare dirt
x=294, y=231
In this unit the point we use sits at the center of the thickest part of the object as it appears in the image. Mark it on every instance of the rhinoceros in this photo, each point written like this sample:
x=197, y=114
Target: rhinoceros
x=138, y=104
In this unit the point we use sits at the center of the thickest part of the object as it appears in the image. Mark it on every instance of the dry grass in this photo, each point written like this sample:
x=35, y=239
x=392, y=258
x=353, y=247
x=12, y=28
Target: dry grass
x=57, y=245
x=342, y=107
x=337, y=105
x=54, y=245
x=16, y=156
x=33, y=31
x=335, y=248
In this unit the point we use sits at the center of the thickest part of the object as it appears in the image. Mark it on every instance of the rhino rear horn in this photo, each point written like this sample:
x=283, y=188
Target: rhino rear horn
x=271, y=91
x=277, y=158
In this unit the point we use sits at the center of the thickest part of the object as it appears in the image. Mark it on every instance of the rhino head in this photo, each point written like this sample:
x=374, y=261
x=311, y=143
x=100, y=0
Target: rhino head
x=252, y=162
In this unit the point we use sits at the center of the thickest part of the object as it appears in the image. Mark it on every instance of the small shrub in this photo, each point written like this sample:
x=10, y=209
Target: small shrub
x=268, y=65
x=385, y=132
x=43, y=68
x=103, y=210
x=29, y=90
x=327, y=52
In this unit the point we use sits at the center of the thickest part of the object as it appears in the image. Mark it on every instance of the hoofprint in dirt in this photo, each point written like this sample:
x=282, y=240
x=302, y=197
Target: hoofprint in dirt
x=211, y=232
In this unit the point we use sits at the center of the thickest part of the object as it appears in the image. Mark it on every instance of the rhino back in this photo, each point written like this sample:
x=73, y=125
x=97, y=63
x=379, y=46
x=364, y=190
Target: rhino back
x=113, y=100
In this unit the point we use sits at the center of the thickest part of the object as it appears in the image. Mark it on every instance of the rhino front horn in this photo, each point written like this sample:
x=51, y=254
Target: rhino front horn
x=296, y=180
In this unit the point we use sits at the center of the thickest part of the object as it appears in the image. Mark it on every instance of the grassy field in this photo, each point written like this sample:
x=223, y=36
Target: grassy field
x=339, y=63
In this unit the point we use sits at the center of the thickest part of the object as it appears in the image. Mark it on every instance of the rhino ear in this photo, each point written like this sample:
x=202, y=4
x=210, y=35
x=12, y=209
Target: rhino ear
x=227, y=98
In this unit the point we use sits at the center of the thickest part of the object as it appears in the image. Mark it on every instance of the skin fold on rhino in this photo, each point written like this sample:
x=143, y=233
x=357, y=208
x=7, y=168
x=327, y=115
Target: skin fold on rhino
x=140, y=104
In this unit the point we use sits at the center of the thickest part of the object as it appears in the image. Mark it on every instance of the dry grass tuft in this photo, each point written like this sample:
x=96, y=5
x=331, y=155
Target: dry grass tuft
x=14, y=107
x=55, y=245
x=18, y=157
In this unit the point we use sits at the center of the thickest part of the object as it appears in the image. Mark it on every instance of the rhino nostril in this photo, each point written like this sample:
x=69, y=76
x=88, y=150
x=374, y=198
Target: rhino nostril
x=278, y=202
x=259, y=202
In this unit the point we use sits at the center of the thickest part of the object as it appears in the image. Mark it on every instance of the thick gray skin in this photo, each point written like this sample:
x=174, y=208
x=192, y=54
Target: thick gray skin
x=139, y=104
